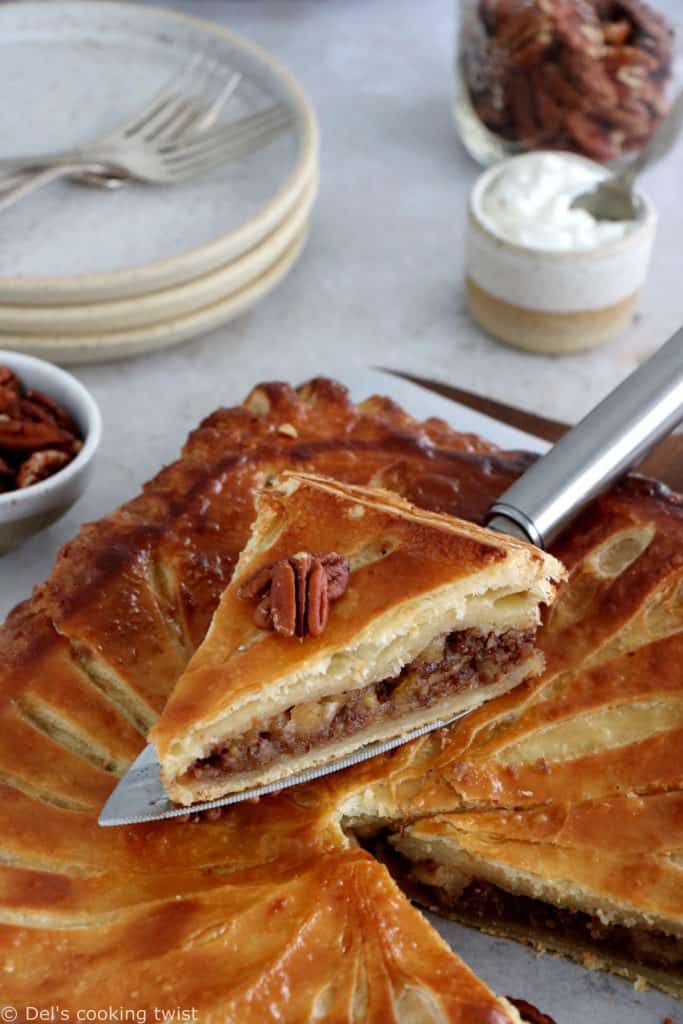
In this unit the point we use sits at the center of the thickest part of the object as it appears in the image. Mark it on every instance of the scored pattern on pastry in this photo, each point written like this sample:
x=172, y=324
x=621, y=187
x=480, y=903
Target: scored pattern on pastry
x=271, y=902
x=567, y=791
x=272, y=905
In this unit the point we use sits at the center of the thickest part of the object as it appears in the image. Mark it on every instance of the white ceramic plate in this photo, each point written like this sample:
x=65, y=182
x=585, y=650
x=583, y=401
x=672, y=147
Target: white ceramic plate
x=160, y=306
x=105, y=347
x=68, y=71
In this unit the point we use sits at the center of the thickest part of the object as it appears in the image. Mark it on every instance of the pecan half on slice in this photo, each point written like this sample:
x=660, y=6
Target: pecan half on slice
x=294, y=594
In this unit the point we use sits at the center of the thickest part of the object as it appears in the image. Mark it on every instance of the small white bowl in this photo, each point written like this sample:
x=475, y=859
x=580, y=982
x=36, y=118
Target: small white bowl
x=553, y=301
x=26, y=511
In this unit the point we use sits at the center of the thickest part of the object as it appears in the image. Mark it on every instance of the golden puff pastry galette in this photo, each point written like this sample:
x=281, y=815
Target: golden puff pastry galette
x=272, y=910
x=352, y=617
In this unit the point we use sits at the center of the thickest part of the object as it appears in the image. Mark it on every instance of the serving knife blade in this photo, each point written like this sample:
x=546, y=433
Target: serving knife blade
x=582, y=464
x=529, y=422
x=140, y=795
x=664, y=462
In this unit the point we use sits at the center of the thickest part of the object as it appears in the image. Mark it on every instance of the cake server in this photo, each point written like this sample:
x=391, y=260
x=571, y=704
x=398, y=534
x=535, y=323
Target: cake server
x=617, y=434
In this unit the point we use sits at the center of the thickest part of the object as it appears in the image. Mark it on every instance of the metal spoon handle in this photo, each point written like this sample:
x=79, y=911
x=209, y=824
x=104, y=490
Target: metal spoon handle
x=612, y=438
x=663, y=139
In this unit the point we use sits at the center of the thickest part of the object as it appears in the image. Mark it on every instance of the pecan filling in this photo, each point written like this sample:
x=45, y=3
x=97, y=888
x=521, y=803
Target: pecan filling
x=483, y=902
x=461, y=661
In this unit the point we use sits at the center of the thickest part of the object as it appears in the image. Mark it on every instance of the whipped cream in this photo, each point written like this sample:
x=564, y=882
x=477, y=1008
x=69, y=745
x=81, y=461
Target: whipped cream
x=528, y=202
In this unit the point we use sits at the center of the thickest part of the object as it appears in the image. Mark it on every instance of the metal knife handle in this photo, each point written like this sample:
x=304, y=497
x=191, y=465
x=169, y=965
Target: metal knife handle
x=615, y=435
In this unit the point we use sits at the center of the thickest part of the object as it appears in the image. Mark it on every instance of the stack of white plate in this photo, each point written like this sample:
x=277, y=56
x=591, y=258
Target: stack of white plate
x=89, y=275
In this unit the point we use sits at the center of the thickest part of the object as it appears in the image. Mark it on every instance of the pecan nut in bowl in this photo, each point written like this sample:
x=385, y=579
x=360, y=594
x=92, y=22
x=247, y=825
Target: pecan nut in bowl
x=38, y=437
x=9, y=391
x=23, y=435
x=590, y=76
x=40, y=465
x=50, y=429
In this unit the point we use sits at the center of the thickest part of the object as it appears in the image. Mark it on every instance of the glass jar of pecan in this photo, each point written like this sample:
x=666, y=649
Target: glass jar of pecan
x=590, y=76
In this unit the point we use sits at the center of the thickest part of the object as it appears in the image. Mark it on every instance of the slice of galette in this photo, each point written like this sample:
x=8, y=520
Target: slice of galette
x=352, y=617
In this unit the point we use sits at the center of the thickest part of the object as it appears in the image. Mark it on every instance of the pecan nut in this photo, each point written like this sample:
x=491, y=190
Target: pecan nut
x=588, y=133
x=318, y=600
x=524, y=35
x=40, y=466
x=28, y=435
x=50, y=410
x=6, y=477
x=282, y=600
x=616, y=33
x=9, y=391
x=569, y=73
x=294, y=594
x=37, y=436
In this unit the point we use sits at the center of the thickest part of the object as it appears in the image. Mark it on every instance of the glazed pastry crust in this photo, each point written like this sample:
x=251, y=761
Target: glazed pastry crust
x=607, y=859
x=272, y=904
x=415, y=576
x=227, y=913
x=577, y=779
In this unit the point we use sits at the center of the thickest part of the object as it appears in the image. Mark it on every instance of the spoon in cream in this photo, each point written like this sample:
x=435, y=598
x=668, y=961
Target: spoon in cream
x=614, y=198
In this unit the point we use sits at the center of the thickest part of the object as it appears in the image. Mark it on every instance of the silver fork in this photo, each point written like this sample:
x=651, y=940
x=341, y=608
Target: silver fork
x=165, y=159
x=181, y=95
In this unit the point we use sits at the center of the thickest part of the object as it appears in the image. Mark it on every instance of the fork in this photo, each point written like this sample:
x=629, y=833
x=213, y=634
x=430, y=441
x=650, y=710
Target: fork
x=165, y=159
x=146, y=147
x=180, y=95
